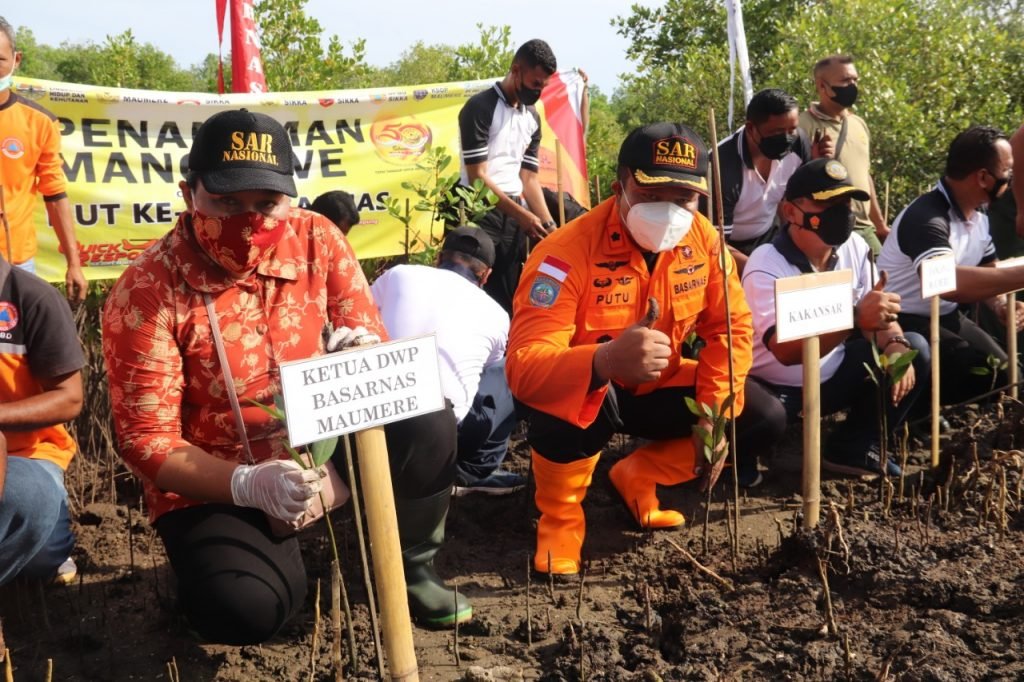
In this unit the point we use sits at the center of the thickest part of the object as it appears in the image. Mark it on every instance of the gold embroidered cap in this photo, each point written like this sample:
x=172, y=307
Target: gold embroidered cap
x=666, y=154
x=822, y=179
x=239, y=150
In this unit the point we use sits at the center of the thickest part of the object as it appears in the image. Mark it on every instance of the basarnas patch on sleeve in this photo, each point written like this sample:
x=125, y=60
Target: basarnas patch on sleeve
x=544, y=291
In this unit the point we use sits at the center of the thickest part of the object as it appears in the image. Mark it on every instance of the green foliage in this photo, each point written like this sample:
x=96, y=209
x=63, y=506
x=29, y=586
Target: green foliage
x=320, y=451
x=424, y=63
x=604, y=136
x=120, y=61
x=895, y=368
x=711, y=440
x=440, y=195
x=293, y=56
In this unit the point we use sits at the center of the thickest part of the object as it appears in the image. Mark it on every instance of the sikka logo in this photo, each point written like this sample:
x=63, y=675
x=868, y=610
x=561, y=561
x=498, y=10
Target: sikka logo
x=8, y=316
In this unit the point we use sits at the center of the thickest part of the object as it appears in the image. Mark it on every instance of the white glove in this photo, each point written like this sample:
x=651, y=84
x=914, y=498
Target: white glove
x=280, y=487
x=343, y=337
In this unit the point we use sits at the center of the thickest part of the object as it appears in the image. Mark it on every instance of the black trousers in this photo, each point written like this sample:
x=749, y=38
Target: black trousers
x=509, y=256
x=963, y=347
x=239, y=584
x=659, y=415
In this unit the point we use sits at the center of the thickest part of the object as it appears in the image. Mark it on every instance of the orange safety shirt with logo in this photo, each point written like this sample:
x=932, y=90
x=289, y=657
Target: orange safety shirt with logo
x=587, y=282
x=30, y=165
x=38, y=340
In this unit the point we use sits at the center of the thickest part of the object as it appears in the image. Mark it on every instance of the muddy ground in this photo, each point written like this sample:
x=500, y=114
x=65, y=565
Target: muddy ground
x=923, y=585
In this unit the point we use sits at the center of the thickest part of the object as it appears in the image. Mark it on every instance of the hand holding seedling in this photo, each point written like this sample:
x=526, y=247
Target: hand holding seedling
x=878, y=309
x=639, y=354
x=280, y=487
x=1001, y=308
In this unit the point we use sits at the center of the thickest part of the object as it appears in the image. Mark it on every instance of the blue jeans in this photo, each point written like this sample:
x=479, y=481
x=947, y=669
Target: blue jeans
x=485, y=430
x=35, y=527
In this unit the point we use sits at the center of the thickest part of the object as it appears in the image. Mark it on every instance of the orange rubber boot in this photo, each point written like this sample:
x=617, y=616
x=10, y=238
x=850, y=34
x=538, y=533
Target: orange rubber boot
x=560, y=531
x=665, y=462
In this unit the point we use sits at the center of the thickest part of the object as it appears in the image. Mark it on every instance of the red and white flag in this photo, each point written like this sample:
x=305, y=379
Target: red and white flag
x=246, y=63
x=556, y=268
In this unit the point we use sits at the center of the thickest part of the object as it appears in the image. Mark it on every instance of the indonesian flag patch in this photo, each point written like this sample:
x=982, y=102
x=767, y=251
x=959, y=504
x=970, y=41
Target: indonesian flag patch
x=555, y=268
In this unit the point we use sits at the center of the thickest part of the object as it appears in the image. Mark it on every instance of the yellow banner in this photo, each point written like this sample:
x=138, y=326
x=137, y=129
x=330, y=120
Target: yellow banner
x=125, y=153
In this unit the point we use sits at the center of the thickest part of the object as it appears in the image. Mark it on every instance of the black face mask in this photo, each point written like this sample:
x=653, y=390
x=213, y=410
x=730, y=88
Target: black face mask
x=834, y=225
x=527, y=96
x=776, y=146
x=845, y=95
x=997, y=189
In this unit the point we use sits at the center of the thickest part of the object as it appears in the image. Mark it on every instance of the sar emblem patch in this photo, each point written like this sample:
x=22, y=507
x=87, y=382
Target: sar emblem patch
x=544, y=291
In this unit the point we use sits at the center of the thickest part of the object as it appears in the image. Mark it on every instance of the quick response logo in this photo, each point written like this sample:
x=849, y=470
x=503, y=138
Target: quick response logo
x=8, y=316
x=251, y=147
x=675, y=151
x=13, y=148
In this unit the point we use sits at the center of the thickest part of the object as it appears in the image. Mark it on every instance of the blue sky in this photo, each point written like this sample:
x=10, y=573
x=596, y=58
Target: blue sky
x=578, y=31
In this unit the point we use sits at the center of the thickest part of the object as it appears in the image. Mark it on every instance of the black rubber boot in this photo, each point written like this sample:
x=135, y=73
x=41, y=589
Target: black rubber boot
x=421, y=532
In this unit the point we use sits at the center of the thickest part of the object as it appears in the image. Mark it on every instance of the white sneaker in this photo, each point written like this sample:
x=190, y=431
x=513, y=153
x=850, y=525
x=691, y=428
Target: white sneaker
x=66, y=572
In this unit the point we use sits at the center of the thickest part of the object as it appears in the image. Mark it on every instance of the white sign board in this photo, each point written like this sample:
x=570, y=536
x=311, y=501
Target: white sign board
x=814, y=304
x=938, y=275
x=360, y=388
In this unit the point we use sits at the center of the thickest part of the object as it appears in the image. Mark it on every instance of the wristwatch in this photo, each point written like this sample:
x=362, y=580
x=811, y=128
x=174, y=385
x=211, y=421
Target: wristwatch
x=548, y=224
x=902, y=340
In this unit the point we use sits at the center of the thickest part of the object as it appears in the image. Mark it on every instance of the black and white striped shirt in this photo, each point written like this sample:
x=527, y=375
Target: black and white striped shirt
x=507, y=138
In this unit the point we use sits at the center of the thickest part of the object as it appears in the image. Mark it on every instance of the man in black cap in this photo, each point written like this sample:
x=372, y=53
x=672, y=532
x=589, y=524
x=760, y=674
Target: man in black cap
x=818, y=237
x=600, y=340
x=215, y=468
x=472, y=332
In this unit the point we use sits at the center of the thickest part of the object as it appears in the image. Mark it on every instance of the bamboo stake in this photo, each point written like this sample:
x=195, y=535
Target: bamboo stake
x=934, y=331
x=357, y=512
x=383, y=524
x=558, y=182
x=1011, y=341
x=723, y=261
x=812, y=432
x=7, y=225
x=597, y=187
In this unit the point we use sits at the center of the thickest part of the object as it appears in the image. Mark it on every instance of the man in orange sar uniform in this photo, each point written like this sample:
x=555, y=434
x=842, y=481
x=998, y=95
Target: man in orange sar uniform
x=587, y=359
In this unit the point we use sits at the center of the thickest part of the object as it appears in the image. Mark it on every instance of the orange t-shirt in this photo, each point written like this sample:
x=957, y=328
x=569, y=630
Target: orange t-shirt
x=38, y=340
x=30, y=164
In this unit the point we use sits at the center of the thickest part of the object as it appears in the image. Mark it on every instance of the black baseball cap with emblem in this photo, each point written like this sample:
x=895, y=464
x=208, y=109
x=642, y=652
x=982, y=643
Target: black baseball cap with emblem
x=666, y=155
x=821, y=180
x=239, y=150
x=471, y=241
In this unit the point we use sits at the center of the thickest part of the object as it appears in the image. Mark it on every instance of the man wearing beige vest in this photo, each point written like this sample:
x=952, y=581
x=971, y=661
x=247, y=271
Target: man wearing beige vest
x=837, y=132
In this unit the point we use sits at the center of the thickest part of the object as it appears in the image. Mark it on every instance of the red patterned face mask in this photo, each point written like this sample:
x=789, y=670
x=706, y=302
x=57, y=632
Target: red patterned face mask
x=237, y=243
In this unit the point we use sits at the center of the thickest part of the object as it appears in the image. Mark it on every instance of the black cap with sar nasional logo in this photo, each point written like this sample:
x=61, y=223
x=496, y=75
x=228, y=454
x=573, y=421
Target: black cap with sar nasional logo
x=666, y=154
x=240, y=150
x=821, y=180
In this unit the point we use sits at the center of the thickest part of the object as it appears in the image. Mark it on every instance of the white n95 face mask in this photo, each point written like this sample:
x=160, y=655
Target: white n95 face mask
x=658, y=225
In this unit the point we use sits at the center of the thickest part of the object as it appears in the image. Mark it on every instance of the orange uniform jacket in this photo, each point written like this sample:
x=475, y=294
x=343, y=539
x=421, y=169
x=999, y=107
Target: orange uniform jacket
x=30, y=165
x=588, y=282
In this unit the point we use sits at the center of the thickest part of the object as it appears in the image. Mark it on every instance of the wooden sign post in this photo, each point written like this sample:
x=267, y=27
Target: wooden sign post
x=807, y=306
x=361, y=390
x=938, y=276
x=1011, y=327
